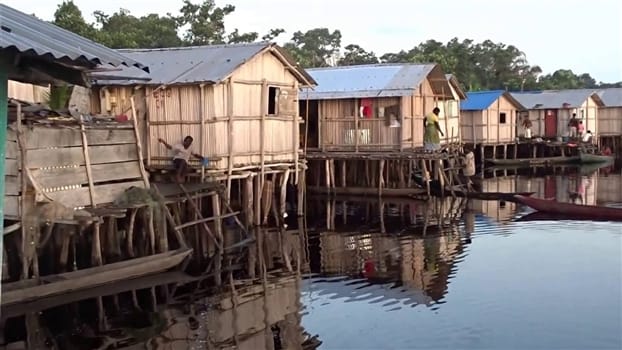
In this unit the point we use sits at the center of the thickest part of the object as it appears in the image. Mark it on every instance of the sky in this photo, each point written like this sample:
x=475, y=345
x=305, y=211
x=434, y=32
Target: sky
x=585, y=36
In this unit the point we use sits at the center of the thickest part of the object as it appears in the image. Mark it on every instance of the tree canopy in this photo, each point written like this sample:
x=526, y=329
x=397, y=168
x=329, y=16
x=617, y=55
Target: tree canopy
x=478, y=66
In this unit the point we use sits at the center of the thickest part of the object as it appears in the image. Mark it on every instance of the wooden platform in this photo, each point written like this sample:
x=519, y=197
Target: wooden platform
x=406, y=155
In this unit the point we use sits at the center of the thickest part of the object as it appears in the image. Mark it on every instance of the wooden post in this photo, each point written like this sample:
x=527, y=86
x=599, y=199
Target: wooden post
x=302, y=179
x=356, y=124
x=332, y=174
x=202, y=138
x=139, y=147
x=426, y=175
x=258, y=192
x=380, y=177
x=231, y=137
x=219, y=234
x=283, y=199
x=296, y=134
x=262, y=131
x=87, y=161
x=343, y=173
x=248, y=200
x=327, y=166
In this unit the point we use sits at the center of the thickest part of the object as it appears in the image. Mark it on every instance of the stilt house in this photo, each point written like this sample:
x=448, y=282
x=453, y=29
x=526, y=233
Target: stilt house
x=377, y=107
x=489, y=117
x=551, y=110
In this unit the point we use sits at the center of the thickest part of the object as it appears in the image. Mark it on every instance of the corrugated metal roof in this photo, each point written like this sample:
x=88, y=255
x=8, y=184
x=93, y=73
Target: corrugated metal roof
x=554, y=99
x=480, y=100
x=377, y=80
x=196, y=64
x=30, y=35
x=611, y=97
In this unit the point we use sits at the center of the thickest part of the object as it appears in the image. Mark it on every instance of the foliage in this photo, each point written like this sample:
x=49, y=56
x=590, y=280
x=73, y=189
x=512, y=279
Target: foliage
x=478, y=66
x=58, y=97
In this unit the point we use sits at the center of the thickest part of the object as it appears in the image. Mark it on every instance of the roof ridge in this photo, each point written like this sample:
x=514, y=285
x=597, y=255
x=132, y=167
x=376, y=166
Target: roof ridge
x=184, y=48
x=354, y=66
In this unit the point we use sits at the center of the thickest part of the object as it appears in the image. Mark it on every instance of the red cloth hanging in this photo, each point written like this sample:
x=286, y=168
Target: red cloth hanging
x=367, y=103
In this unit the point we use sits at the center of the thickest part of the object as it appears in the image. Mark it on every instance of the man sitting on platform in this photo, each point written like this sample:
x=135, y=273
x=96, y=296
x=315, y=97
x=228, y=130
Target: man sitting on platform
x=181, y=155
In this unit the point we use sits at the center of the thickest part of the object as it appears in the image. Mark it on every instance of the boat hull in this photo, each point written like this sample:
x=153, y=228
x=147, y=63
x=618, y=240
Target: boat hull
x=534, y=161
x=587, y=158
x=571, y=210
x=30, y=290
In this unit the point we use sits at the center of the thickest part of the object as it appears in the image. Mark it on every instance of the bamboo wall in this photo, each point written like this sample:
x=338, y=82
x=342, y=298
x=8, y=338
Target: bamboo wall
x=27, y=92
x=588, y=112
x=57, y=163
x=338, y=129
x=230, y=117
x=484, y=127
x=610, y=121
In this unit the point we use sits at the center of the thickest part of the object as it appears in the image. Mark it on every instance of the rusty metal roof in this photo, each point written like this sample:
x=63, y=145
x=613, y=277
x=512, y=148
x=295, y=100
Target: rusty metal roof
x=363, y=81
x=199, y=64
x=32, y=36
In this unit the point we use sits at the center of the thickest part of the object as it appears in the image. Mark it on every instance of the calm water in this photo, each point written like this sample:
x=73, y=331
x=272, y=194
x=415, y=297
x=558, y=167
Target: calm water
x=492, y=283
x=481, y=281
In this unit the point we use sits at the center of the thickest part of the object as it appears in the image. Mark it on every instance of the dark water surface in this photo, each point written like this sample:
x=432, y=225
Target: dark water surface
x=523, y=285
x=472, y=278
x=490, y=283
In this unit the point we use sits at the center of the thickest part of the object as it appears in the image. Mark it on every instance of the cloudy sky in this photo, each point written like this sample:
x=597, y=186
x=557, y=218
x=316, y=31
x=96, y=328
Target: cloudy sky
x=582, y=35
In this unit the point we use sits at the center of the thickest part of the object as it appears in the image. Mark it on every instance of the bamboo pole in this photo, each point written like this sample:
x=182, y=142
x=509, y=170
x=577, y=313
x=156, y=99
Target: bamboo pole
x=262, y=131
x=139, y=147
x=231, y=137
x=381, y=177
x=356, y=124
x=296, y=133
x=202, y=138
x=87, y=162
x=284, y=193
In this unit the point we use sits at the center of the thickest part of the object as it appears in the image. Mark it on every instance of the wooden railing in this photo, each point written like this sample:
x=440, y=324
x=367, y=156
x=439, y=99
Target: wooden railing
x=341, y=133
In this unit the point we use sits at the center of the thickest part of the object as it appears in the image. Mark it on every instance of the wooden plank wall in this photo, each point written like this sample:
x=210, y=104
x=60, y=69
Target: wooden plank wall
x=12, y=177
x=56, y=161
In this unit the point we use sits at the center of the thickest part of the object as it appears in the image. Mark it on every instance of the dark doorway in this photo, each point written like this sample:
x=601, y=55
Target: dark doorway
x=310, y=114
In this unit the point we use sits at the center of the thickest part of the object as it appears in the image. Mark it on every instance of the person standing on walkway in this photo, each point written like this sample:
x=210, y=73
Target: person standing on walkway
x=431, y=139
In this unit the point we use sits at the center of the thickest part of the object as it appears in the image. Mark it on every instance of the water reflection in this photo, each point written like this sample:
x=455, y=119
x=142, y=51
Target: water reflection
x=400, y=274
x=257, y=307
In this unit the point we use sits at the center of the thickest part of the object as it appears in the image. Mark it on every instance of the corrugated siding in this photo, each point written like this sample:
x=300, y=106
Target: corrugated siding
x=610, y=121
x=27, y=92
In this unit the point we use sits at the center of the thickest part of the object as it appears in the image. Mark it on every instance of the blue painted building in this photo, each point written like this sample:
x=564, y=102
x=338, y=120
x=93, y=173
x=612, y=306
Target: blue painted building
x=489, y=117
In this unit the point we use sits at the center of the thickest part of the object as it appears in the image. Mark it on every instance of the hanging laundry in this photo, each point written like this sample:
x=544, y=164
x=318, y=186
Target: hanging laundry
x=366, y=105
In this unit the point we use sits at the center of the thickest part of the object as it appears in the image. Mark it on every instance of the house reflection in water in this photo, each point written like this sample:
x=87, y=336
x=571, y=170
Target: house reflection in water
x=583, y=185
x=409, y=264
x=247, y=312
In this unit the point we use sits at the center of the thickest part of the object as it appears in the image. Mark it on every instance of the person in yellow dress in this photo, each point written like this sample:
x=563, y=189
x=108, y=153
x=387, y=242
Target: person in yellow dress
x=431, y=139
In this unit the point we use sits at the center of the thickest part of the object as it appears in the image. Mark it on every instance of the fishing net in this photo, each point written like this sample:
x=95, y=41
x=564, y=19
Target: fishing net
x=152, y=202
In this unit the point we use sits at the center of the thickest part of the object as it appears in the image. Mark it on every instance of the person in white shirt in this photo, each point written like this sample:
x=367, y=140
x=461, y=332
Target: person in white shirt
x=181, y=156
x=587, y=137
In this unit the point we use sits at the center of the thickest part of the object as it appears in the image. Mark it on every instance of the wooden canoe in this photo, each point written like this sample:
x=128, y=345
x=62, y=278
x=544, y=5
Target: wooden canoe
x=590, y=158
x=435, y=190
x=47, y=286
x=535, y=161
x=577, y=211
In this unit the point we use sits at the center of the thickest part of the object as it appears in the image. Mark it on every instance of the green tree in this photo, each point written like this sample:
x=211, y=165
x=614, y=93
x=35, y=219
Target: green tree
x=123, y=30
x=314, y=48
x=355, y=55
x=68, y=16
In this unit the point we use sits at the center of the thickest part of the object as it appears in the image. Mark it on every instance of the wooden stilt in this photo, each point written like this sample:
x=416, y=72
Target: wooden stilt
x=283, y=199
x=380, y=177
x=302, y=180
x=248, y=201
